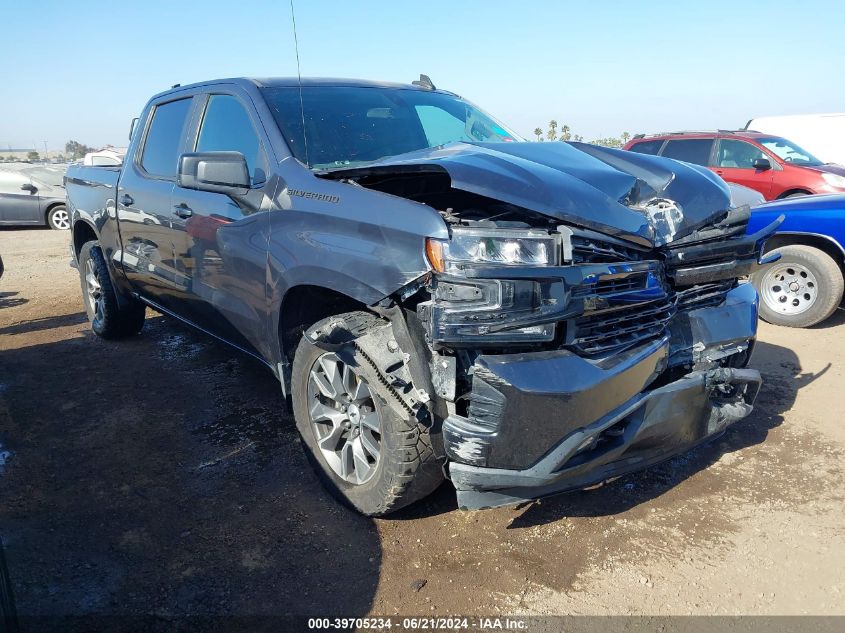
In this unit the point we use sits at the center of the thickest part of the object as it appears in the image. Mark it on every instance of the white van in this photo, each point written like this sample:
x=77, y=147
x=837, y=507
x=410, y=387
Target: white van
x=821, y=134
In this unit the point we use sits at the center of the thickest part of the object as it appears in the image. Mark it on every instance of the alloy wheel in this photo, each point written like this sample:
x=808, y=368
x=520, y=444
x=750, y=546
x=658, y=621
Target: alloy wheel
x=344, y=418
x=94, y=291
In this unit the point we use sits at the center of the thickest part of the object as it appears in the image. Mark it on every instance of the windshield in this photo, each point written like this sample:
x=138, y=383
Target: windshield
x=350, y=125
x=789, y=151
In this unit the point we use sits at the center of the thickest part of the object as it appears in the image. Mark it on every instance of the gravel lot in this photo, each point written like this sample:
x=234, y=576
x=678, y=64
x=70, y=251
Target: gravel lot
x=162, y=475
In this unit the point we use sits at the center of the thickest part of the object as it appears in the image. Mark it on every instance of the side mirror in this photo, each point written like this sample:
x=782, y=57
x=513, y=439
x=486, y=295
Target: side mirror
x=762, y=164
x=218, y=172
x=29, y=187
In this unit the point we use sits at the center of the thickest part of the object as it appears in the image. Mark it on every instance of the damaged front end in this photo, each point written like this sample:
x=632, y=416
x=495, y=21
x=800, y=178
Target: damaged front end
x=566, y=349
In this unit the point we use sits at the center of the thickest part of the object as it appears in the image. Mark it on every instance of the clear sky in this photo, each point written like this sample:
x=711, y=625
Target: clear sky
x=82, y=69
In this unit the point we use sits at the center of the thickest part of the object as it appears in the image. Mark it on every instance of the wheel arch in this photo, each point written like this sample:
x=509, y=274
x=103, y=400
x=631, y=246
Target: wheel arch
x=794, y=190
x=824, y=243
x=301, y=306
x=82, y=232
x=51, y=206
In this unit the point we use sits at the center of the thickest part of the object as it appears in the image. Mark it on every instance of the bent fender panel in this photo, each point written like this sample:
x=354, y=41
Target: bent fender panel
x=361, y=243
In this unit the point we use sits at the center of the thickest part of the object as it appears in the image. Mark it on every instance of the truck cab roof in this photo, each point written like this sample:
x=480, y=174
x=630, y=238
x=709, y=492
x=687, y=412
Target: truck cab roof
x=294, y=82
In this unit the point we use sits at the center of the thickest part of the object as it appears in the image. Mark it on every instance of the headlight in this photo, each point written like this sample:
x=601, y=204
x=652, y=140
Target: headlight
x=492, y=311
x=834, y=180
x=498, y=247
x=474, y=310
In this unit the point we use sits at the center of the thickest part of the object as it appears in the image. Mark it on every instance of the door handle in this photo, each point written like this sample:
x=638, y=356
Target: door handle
x=126, y=200
x=183, y=210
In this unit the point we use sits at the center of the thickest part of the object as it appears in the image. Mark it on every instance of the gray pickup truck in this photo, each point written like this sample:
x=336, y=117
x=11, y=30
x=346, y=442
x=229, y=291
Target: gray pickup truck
x=437, y=297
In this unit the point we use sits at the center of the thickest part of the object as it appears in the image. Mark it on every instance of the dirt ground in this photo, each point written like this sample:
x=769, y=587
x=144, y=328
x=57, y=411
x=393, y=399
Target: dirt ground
x=162, y=475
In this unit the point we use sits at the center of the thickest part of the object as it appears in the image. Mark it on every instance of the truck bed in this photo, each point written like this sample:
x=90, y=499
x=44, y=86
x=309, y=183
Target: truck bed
x=89, y=188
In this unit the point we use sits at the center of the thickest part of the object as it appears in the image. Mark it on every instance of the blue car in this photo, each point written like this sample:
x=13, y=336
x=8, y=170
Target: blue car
x=805, y=286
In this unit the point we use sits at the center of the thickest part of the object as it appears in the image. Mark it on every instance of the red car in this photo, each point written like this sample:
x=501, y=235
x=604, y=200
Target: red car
x=772, y=165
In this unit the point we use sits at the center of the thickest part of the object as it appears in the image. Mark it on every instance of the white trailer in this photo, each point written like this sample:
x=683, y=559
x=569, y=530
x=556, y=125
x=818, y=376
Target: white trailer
x=821, y=134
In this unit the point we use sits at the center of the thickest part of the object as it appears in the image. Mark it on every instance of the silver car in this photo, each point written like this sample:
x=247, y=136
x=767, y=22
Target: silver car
x=33, y=194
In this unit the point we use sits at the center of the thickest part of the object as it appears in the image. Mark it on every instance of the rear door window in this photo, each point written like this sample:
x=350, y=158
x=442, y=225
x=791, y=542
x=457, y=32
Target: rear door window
x=164, y=139
x=647, y=147
x=690, y=150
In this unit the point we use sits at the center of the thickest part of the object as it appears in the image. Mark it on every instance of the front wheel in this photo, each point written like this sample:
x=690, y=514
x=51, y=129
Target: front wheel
x=58, y=219
x=109, y=319
x=366, y=453
x=802, y=288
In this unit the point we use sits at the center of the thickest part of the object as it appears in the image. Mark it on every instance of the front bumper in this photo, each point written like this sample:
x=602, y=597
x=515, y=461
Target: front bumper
x=548, y=422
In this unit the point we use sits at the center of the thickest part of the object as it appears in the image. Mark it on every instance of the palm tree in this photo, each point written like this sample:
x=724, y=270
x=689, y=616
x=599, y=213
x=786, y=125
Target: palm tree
x=538, y=133
x=552, y=133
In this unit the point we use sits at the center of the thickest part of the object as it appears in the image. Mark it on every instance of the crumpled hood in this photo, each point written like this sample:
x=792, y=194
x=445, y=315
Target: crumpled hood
x=608, y=190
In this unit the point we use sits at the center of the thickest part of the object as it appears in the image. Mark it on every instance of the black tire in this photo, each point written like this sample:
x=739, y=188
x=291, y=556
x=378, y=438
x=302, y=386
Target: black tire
x=108, y=318
x=797, y=194
x=828, y=279
x=407, y=469
x=57, y=218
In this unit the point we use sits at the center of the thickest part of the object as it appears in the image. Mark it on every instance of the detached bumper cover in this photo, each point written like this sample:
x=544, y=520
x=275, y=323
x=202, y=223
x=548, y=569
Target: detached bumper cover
x=654, y=427
x=548, y=422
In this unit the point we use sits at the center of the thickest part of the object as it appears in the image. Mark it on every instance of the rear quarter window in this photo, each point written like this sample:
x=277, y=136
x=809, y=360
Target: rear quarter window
x=690, y=150
x=647, y=147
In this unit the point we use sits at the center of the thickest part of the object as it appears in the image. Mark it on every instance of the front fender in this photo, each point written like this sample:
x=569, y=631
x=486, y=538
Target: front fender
x=363, y=244
x=362, y=261
x=827, y=224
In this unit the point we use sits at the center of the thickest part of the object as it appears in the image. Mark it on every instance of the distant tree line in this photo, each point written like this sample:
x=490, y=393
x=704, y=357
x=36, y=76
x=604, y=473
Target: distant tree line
x=76, y=150
x=564, y=133
x=73, y=151
x=30, y=156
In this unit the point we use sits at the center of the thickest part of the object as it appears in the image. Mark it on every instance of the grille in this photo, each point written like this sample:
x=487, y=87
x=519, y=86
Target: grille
x=617, y=330
x=706, y=295
x=589, y=250
x=612, y=286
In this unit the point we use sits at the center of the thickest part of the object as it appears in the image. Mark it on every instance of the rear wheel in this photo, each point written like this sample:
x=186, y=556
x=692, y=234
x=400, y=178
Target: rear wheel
x=109, y=319
x=802, y=288
x=366, y=453
x=58, y=219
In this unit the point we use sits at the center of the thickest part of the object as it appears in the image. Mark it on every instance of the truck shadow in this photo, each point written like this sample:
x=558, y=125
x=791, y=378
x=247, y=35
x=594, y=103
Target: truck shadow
x=43, y=323
x=161, y=476
x=10, y=300
x=783, y=377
